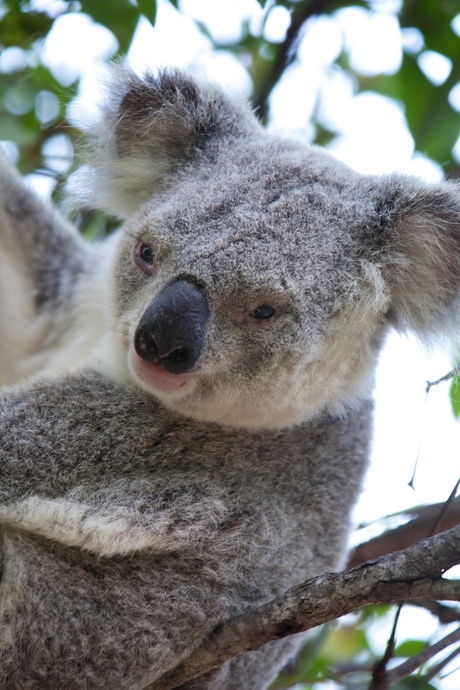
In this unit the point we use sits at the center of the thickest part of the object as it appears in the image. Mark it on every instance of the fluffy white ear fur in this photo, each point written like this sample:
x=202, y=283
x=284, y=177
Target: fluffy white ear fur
x=149, y=128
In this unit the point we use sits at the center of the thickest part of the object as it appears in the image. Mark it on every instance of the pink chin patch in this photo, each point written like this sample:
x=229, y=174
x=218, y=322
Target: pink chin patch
x=155, y=379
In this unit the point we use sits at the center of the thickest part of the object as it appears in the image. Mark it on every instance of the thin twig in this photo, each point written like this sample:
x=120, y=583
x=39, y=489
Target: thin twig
x=379, y=672
x=450, y=375
x=411, y=665
x=444, y=509
x=437, y=668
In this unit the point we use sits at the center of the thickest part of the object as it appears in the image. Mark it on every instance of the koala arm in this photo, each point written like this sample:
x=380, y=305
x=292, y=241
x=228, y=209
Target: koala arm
x=111, y=529
x=46, y=273
x=75, y=467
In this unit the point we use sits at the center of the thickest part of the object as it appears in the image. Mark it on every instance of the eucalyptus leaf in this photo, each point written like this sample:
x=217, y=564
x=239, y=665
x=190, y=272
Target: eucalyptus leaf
x=149, y=9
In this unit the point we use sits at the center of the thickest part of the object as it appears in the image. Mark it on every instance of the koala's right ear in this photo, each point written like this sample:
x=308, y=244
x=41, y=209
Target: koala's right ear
x=421, y=254
x=150, y=127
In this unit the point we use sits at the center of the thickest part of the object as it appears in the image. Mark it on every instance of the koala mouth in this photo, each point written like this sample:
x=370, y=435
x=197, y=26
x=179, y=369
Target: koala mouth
x=155, y=378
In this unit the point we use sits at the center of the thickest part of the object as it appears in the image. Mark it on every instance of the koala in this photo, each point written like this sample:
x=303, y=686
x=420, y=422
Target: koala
x=187, y=407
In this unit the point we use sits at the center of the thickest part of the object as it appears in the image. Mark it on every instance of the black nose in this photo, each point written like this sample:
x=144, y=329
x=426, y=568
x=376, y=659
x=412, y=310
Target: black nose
x=173, y=328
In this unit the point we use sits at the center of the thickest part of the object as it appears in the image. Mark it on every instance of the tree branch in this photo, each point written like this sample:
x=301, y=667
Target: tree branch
x=415, y=573
x=403, y=536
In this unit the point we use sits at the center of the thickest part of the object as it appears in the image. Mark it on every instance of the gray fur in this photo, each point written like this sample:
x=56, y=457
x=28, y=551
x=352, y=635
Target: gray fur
x=140, y=509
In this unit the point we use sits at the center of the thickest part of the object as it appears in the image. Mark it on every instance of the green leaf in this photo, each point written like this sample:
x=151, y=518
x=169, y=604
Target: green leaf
x=342, y=643
x=149, y=9
x=433, y=20
x=454, y=393
x=18, y=28
x=410, y=648
x=13, y=128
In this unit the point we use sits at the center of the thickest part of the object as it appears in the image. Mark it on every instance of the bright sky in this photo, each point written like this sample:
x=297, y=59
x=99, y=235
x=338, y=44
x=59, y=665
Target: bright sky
x=372, y=138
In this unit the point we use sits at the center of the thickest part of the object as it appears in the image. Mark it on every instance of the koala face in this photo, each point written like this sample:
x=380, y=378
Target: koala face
x=256, y=276
x=221, y=294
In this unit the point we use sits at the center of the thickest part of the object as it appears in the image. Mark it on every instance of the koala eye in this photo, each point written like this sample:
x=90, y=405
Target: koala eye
x=145, y=257
x=264, y=311
x=260, y=316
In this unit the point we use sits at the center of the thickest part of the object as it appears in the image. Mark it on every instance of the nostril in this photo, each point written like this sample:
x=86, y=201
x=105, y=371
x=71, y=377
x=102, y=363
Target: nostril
x=177, y=361
x=146, y=346
x=178, y=356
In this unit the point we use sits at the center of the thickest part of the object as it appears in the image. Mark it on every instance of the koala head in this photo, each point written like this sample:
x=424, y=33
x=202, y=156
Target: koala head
x=256, y=276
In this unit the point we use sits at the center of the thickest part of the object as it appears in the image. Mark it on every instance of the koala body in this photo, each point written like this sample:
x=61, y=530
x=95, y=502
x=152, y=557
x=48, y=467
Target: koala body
x=191, y=425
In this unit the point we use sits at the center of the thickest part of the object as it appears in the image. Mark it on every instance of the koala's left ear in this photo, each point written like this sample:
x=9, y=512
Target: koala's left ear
x=150, y=128
x=421, y=250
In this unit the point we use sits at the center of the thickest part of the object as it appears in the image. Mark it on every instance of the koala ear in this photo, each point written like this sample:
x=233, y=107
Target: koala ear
x=150, y=128
x=422, y=254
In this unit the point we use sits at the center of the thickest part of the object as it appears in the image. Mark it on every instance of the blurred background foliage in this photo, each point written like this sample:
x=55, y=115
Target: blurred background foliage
x=35, y=98
x=39, y=133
